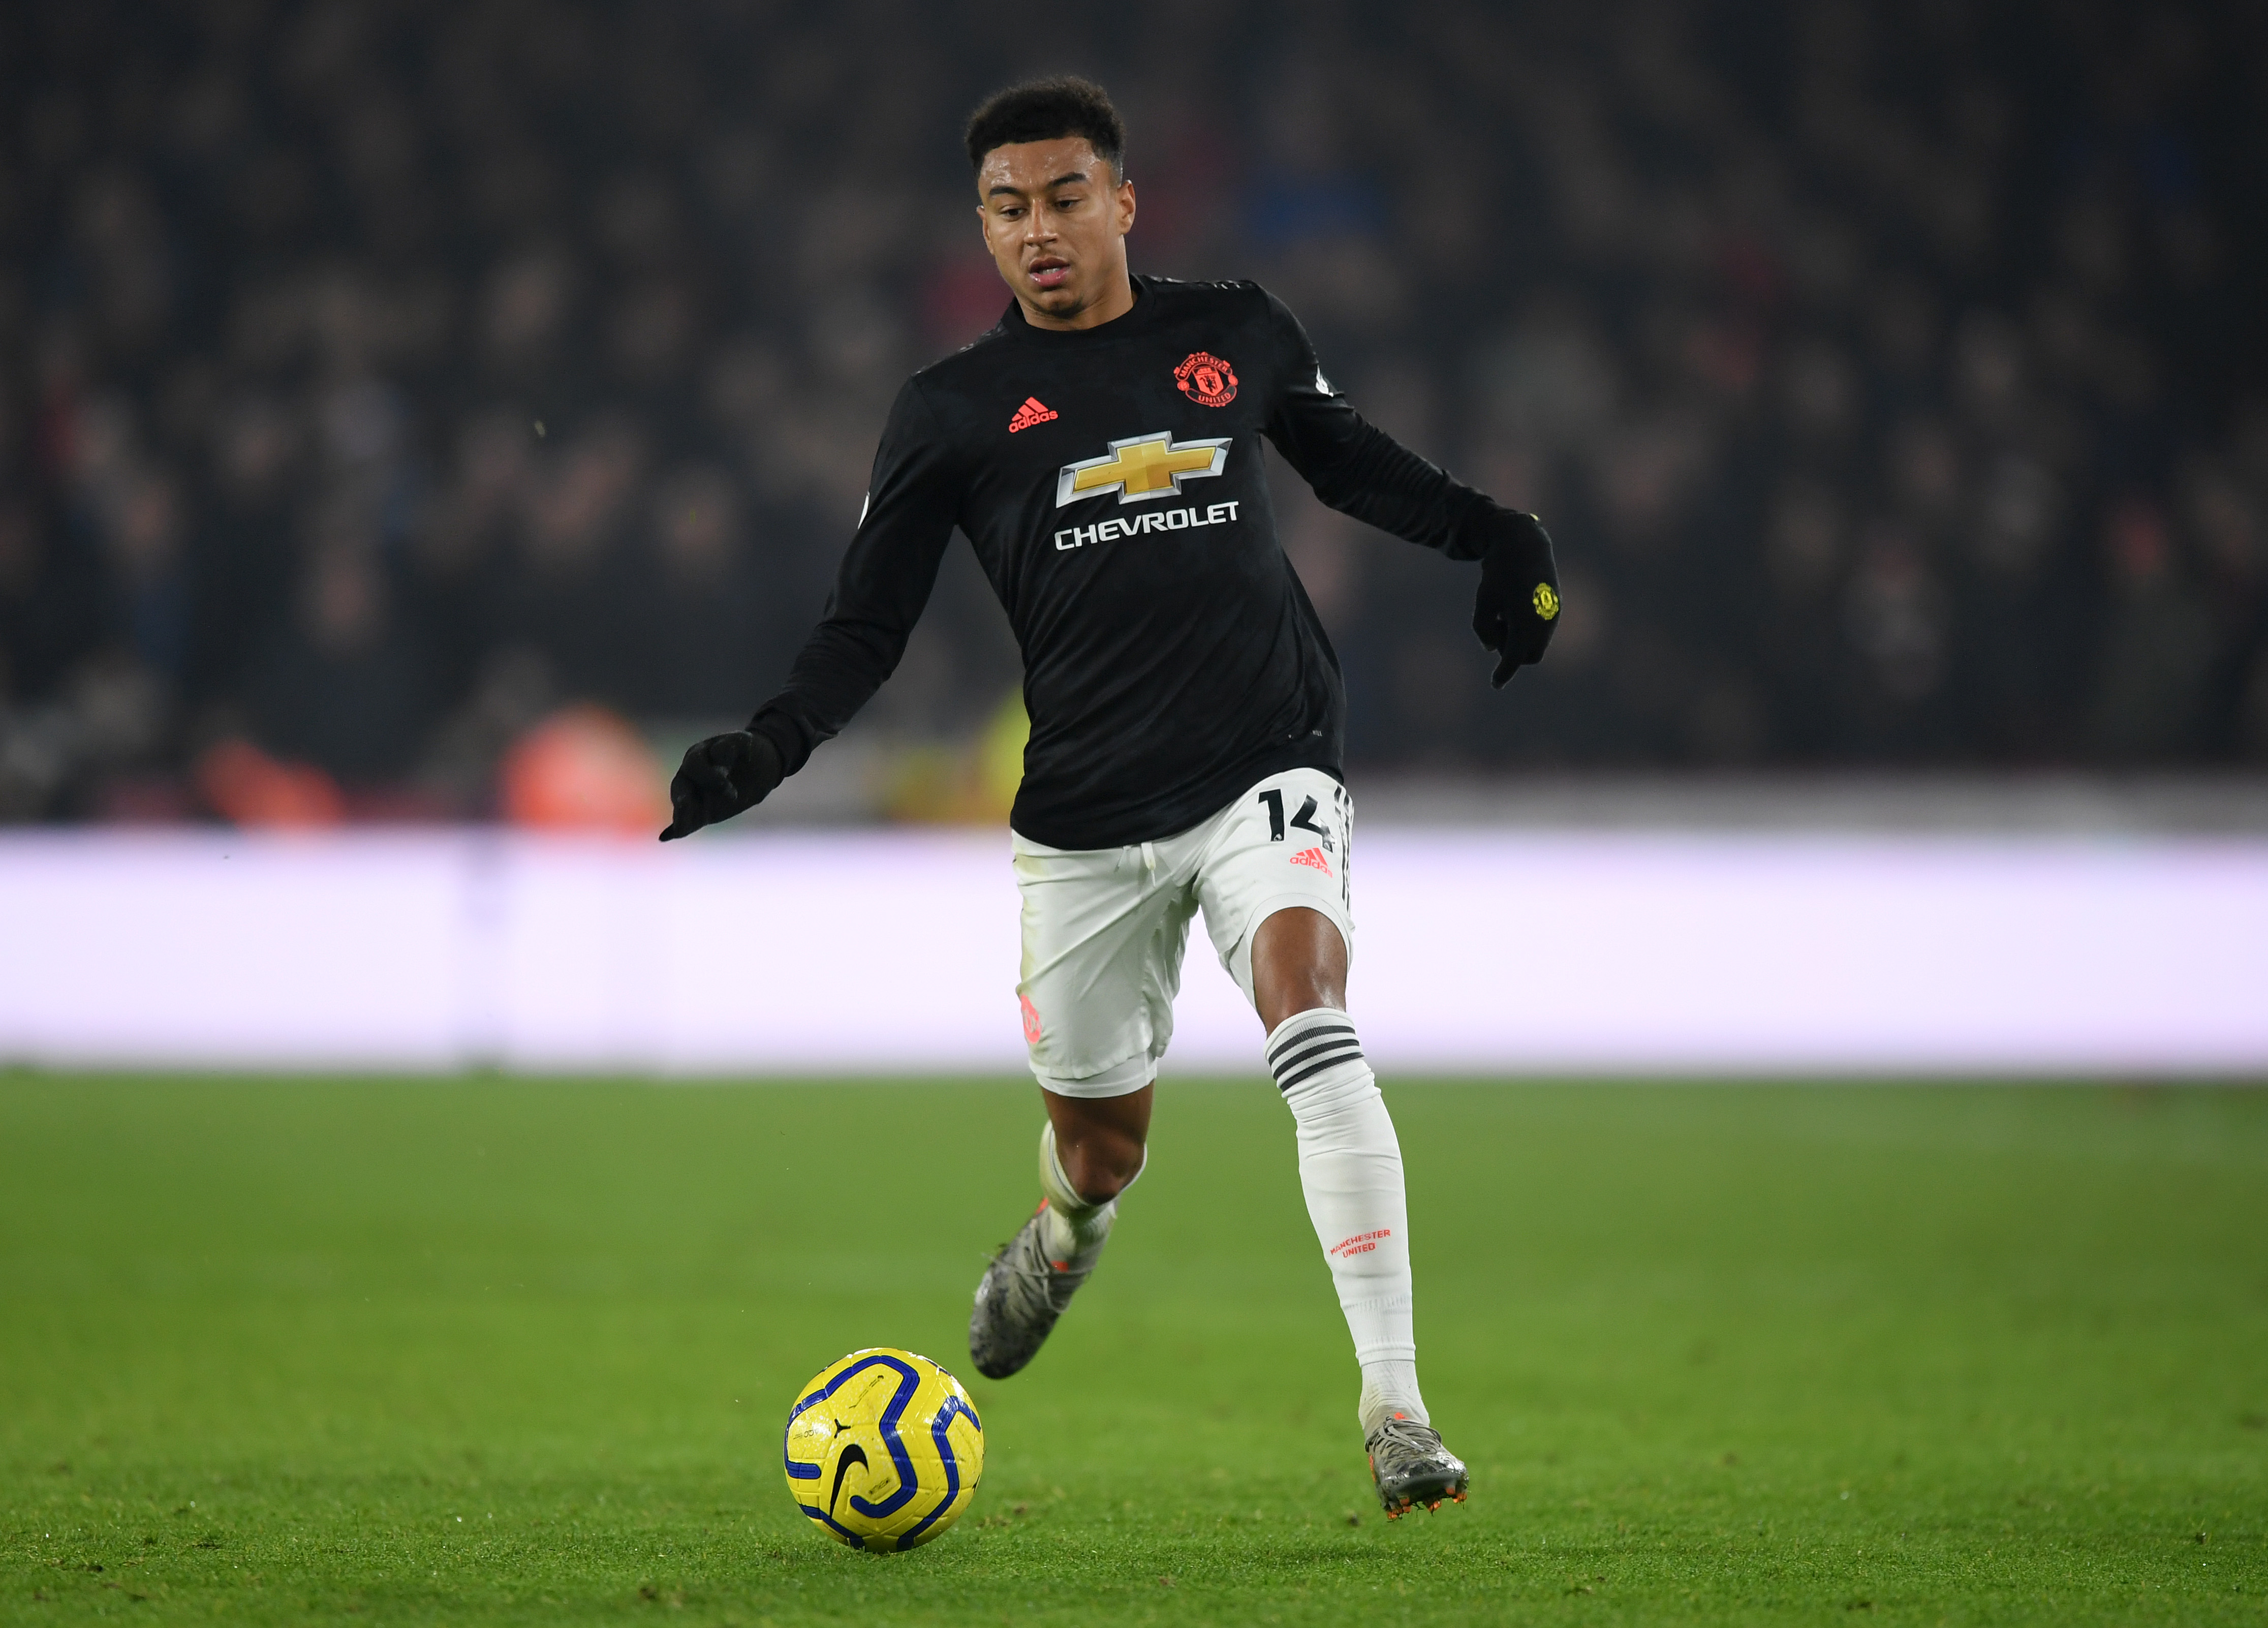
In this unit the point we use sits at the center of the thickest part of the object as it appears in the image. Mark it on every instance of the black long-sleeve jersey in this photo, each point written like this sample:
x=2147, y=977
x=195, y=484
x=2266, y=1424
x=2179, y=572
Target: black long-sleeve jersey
x=1112, y=482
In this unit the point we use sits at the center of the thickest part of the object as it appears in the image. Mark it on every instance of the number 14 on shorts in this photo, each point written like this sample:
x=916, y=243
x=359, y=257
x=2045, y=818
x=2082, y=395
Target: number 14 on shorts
x=1304, y=821
x=1325, y=842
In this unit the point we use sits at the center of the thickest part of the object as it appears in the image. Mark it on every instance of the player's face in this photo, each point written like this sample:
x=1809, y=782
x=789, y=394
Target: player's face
x=1055, y=220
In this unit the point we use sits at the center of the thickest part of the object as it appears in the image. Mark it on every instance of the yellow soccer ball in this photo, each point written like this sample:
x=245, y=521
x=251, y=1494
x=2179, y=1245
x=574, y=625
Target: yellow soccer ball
x=883, y=1449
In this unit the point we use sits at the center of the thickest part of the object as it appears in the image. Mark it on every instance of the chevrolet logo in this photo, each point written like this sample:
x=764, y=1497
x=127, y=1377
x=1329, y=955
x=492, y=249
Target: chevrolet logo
x=1140, y=467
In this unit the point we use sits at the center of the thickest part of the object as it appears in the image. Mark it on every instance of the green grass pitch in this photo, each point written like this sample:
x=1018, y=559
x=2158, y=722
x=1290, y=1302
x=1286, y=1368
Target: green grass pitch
x=484, y=1351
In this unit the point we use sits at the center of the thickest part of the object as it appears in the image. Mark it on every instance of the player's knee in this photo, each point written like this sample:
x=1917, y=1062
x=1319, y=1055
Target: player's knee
x=1298, y=963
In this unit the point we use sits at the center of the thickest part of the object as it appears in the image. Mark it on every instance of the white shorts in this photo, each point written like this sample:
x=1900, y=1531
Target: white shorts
x=1104, y=928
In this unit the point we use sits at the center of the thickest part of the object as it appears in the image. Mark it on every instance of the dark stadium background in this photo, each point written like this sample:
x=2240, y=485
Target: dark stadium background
x=1821, y=1006
x=377, y=379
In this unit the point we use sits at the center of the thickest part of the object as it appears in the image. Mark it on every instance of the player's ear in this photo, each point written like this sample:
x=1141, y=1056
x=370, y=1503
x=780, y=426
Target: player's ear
x=1125, y=200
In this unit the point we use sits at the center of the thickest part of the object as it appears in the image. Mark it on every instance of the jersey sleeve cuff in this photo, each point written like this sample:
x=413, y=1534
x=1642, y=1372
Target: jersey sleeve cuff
x=785, y=737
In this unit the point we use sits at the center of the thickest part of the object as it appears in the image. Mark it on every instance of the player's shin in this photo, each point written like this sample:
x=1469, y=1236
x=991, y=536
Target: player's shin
x=1072, y=1229
x=1350, y=1169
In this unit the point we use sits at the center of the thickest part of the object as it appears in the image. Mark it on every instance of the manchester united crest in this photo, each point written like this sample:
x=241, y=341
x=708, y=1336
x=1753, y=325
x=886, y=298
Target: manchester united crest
x=1206, y=379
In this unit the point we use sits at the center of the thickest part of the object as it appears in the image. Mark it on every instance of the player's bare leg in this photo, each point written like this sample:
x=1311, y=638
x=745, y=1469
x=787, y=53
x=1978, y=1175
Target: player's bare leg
x=1090, y=1152
x=1100, y=1141
x=1350, y=1169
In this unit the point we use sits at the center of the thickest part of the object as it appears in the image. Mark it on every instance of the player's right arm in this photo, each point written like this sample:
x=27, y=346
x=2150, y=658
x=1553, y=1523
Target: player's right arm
x=912, y=500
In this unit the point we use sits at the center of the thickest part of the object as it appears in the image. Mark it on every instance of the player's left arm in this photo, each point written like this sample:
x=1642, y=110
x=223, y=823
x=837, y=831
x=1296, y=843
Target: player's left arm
x=1360, y=471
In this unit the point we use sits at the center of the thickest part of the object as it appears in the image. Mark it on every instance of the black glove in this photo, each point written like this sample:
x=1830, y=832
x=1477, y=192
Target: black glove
x=721, y=776
x=1518, y=604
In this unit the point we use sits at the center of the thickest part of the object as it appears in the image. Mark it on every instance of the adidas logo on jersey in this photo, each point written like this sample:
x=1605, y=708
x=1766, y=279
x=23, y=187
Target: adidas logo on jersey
x=1313, y=859
x=1034, y=411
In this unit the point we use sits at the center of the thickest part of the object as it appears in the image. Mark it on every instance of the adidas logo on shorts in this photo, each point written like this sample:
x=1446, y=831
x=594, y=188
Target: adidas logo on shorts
x=1313, y=857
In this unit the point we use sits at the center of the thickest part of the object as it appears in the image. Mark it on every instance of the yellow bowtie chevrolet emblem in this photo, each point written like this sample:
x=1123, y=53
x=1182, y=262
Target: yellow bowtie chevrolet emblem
x=1140, y=467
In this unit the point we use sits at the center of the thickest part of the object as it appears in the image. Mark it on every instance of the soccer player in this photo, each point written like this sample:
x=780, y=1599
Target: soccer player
x=1100, y=447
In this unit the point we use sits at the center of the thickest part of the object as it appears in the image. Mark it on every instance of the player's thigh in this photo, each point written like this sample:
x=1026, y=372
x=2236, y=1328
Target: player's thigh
x=1104, y=935
x=1285, y=842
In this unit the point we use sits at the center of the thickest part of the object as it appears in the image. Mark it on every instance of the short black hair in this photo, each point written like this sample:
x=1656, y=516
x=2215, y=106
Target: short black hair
x=1042, y=110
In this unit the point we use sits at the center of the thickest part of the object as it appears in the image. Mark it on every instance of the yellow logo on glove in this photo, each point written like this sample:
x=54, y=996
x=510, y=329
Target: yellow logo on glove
x=1547, y=601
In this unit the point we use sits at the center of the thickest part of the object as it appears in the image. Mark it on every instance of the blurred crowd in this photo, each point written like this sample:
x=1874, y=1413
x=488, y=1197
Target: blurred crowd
x=387, y=383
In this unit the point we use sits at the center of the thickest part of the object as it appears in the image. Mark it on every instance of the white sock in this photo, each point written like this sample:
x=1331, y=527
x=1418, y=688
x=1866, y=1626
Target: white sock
x=1072, y=1229
x=1351, y=1168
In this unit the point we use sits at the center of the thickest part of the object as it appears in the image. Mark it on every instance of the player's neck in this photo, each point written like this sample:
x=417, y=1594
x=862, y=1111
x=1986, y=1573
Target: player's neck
x=1115, y=300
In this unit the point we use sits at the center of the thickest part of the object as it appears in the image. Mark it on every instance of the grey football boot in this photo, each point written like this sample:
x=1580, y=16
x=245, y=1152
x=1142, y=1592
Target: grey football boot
x=1022, y=1295
x=1028, y=1286
x=1412, y=1467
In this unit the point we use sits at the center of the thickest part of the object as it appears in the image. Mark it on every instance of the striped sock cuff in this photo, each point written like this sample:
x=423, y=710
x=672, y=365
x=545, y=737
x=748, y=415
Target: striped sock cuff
x=1308, y=1042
